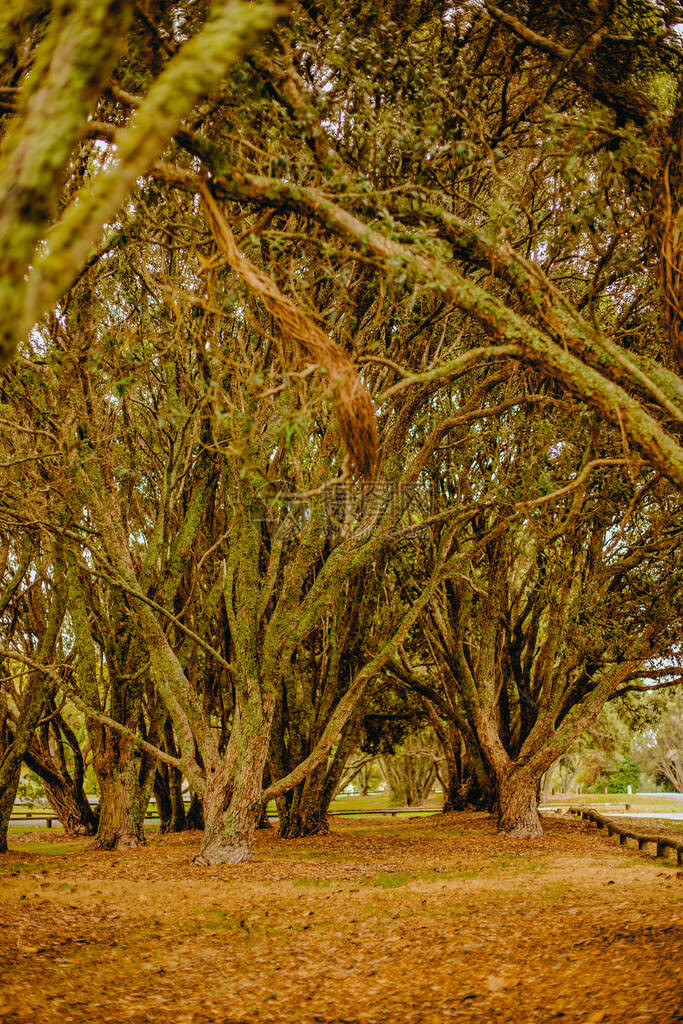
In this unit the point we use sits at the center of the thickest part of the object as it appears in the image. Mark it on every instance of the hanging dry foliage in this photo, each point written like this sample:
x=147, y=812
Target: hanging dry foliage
x=671, y=261
x=667, y=226
x=353, y=406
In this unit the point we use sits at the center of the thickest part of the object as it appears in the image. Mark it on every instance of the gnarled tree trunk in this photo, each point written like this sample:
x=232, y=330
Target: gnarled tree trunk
x=63, y=782
x=194, y=818
x=67, y=800
x=232, y=797
x=518, y=804
x=231, y=817
x=516, y=787
x=9, y=780
x=168, y=790
x=303, y=811
x=121, y=804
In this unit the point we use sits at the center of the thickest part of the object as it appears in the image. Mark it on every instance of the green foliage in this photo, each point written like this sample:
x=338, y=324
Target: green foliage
x=30, y=787
x=617, y=780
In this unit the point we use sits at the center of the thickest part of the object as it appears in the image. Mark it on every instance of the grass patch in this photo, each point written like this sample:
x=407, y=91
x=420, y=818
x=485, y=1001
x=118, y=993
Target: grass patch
x=49, y=849
x=391, y=880
x=636, y=801
x=394, y=879
x=209, y=921
x=555, y=892
x=313, y=883
x=16, y=868
x=469, y=873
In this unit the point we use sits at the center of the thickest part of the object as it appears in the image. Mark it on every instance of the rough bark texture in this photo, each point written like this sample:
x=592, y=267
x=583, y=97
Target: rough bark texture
x=121, y=805
x=232, y=800
x=467, y=794
x=516, y=788
x=168, y=790
x=229, y=823
x=9, y=781
x=518, y=805
x=66, y=799
x=194, y=818
x=303, y=811
x=62, y=777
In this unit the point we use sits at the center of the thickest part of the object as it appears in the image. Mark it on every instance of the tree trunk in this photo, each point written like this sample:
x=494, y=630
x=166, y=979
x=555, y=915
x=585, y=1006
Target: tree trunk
x=163, y=798
x=178, y=815
x=546, y=787
x=194, y=819
x=9, y=781
x=264, y=820
x=15, y=738
x=121, y=804
x=168, y=790
x=518, y=805
x=516, y=788
x=452, y=783
x=75, y=814
x=232, y=799
x=66, y=795
x=303, y=811
x=231, y=818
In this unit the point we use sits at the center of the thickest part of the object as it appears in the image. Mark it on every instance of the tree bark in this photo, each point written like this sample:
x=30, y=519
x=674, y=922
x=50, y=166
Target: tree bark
x=168, y=789
x=63, y=782
x=303, y=811
x=121, y=805
x=163, y=799
x=232, y=797
x=68, y=800
x=194, y=818
x=518, y=805
x=230, y=820
x=9, y=781
x=516, y=787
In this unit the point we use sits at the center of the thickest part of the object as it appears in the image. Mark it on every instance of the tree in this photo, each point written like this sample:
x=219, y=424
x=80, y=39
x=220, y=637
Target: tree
x=57, y=68
x=423, y=257
x=663, y=748
x=32, y=667
x=56, y=758
x=565, y=601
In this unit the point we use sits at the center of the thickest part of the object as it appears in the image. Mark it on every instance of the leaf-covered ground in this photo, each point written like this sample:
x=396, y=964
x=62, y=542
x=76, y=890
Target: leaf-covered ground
x=408, y=922
x=664, y=828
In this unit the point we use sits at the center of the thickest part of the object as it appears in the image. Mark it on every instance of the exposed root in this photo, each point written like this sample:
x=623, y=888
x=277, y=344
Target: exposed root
x=524, y=830
x=320, y=828
x=126, y=841
x=215, y=852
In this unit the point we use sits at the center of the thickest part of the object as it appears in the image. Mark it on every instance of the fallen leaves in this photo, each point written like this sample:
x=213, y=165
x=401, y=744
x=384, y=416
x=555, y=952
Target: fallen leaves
x=495, y=984
x=357, y=926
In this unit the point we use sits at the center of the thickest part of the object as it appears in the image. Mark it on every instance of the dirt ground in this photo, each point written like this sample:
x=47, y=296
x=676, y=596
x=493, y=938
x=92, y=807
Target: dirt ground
x=412, y=922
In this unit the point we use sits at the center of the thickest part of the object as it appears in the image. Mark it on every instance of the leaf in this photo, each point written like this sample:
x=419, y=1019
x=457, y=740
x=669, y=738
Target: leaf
x=496, y=983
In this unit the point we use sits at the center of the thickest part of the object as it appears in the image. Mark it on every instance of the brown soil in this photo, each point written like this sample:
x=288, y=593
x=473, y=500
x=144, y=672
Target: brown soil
x=412, y=922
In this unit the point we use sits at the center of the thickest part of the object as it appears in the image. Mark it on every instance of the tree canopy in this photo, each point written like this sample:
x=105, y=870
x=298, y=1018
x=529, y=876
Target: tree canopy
x=341, y=375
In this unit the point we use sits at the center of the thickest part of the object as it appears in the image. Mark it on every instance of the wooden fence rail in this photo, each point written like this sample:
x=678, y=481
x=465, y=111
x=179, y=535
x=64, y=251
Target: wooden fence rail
x=47, y=816
x=661, y=843
x=152, y=814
